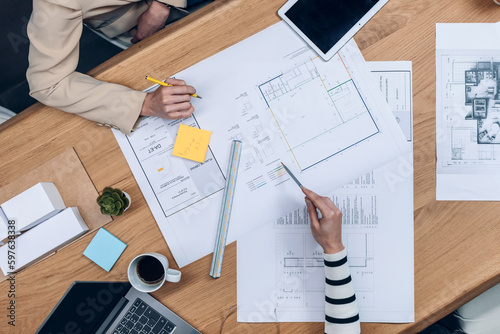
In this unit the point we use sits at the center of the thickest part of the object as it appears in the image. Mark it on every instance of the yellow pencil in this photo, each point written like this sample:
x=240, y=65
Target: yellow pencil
x=166, y=85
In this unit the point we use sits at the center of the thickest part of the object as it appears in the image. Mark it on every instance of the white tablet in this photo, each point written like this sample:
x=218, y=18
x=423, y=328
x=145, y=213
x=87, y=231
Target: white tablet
x=326, y=25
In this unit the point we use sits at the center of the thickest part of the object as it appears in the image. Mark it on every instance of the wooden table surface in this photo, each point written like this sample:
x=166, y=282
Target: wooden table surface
x=456, y=243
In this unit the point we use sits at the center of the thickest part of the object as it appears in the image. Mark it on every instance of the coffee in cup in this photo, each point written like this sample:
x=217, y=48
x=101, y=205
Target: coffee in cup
x=147, y=272
x=150, y=270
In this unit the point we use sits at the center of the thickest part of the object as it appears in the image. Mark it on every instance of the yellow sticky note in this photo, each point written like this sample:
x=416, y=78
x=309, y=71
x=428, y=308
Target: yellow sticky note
x=191, y=143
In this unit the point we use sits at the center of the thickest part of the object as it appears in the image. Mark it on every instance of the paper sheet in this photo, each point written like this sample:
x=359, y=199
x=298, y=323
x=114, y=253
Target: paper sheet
x=468, y=111
x=285, y=105
x=280, y=265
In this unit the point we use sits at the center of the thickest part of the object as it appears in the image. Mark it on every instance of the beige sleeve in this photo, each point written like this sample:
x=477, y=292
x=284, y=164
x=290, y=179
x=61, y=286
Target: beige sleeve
x=54, y=30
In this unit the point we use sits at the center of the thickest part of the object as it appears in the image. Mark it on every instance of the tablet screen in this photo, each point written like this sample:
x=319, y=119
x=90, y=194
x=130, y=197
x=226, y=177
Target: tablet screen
x=325, y=22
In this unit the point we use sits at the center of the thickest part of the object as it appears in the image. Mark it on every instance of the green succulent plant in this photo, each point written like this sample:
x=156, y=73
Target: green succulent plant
x=112, y=201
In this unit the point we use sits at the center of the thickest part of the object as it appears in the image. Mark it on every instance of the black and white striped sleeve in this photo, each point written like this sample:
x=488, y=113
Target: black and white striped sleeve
x=341, y=309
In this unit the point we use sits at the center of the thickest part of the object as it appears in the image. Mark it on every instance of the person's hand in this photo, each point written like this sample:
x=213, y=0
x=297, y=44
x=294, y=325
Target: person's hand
x=327, y=231
x=151, y=21
x=171, y=102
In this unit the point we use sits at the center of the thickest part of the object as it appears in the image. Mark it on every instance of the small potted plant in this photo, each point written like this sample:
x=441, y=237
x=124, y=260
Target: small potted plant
x=113, y=201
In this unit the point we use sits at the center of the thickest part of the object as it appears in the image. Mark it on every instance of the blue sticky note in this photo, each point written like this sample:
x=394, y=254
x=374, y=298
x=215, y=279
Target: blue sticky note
x=105, y=249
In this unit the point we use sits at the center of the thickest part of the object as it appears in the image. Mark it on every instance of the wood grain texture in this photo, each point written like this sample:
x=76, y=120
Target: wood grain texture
x=456, y=256
x=73, y=183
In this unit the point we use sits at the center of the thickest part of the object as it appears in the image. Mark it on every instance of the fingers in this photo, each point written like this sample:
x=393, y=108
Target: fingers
x=313, y=214
x=178, y=90
x=324, y=204
x=168, y=99
x=181, y=114
x=317, y=200
x=176, y=99
x=175, y=82
x=332, y=205
x=177, y=107
x=171, y=102
x=139, y=36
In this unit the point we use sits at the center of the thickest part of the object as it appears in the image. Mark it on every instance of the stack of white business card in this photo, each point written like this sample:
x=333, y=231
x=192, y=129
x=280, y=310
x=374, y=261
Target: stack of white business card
x=44, y=222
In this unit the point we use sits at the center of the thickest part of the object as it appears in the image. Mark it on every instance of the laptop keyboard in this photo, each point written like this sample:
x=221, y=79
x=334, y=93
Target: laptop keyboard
x=142, y=319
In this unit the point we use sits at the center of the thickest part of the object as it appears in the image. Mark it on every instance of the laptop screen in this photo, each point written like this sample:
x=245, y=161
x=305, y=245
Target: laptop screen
x=84, y=307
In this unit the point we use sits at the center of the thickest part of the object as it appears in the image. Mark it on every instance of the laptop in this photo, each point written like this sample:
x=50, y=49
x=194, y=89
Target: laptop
x=111, y=308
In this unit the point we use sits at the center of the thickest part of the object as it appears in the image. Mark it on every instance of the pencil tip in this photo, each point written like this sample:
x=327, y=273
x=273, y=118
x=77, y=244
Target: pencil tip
x=146, y=77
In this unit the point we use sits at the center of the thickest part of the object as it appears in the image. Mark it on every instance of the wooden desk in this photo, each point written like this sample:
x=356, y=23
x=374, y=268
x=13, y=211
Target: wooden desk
x=456, y=243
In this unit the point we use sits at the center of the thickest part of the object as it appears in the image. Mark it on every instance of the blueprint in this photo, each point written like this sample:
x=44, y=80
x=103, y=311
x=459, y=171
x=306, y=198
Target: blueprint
x=468, y=112
x=286, y=105
x=280, y=265
x=336, y=101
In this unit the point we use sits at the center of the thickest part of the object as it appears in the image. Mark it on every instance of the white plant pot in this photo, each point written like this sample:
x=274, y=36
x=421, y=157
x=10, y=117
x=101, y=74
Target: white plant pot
x=129, y=200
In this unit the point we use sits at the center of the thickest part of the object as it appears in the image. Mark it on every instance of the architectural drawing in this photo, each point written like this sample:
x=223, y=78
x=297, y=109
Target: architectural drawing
x=467, y=111
x=177, y=183
x=312, y=91
x=299, y=264
x=483, y=98
x=289, y=282
x=470, y=112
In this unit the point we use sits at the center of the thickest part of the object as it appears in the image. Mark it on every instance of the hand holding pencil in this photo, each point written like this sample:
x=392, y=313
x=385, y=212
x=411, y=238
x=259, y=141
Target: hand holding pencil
x=171, y=101
x=327, y=230
x=166, y=84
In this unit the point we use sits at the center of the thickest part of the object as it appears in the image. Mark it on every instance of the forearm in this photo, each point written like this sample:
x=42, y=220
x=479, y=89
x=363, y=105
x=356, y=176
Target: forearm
x=53, y=57
x=341, y=310
x=105, y=103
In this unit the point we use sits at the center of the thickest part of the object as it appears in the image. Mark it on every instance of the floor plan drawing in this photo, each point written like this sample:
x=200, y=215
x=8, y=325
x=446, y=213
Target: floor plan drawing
x=483, y=99
x=336, y=101
x=467, y=112
x=470, y=111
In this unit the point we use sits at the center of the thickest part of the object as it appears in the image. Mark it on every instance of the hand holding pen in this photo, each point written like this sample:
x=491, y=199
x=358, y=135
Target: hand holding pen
x=172, y=100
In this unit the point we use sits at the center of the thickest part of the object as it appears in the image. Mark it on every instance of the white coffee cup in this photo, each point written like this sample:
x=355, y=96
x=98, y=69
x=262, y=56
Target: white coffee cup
x=141, y=283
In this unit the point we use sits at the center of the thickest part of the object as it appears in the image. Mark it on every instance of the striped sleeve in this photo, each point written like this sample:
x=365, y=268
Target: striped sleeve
x=341, y=309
